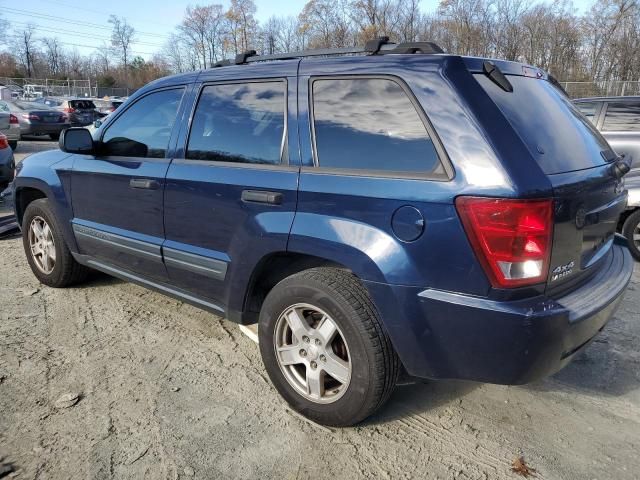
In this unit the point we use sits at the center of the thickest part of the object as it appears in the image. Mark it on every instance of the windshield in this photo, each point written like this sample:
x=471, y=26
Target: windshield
x=558, y=136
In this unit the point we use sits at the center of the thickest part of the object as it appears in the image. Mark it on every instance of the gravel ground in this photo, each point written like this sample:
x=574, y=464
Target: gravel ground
x=109, y=380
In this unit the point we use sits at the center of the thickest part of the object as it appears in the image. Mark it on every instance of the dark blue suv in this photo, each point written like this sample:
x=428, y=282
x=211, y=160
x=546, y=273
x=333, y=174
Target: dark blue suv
x=394, y=208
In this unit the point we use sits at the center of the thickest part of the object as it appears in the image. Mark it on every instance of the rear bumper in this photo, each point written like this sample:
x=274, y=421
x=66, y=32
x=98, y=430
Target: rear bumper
x=441, y=334
x=44, y=129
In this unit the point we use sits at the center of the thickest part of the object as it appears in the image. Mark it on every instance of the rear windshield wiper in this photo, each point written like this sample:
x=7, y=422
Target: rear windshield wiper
x=494, y=73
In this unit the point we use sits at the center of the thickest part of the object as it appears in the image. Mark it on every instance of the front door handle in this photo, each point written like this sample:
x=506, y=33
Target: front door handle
x=144, y=183
x=260, y=196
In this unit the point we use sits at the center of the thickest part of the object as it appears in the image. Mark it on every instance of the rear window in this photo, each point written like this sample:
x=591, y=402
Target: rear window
x=82, y=104
x=622, y=117
x=558, y=136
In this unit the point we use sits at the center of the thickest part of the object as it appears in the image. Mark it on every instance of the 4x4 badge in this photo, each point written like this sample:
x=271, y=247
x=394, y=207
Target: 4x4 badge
x=562, y=271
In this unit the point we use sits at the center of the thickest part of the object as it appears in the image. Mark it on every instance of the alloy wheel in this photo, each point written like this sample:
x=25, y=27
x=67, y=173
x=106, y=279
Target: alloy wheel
x=42, y=245
x=312, y=353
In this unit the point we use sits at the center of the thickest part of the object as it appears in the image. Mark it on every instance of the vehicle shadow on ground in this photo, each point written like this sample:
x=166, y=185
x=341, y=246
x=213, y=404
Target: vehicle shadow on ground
x=98, y=279
x=419, y=396
x=604, y=368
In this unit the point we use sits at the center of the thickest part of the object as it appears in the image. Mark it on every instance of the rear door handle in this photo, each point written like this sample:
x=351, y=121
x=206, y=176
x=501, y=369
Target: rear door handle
x=144, y=183
x=260, y=196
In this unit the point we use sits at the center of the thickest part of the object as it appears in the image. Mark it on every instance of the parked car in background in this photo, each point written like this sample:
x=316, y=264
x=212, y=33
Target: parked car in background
x=398, y=209
x=618, y=119
x=9, y=127
x=105, y=107
x=36, y=119
x=7, y=163
x=80, y=111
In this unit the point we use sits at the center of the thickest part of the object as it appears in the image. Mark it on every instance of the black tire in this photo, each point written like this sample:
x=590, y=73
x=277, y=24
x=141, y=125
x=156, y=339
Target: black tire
x=632, y=226
x=54, y=136
x=374, y=363
x=66, y=271
x=13, y=144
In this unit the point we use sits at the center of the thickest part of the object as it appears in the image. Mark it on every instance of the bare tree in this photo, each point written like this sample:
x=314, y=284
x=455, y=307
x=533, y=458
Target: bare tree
x=53, y=53
x=25, y=47
x=122, y=36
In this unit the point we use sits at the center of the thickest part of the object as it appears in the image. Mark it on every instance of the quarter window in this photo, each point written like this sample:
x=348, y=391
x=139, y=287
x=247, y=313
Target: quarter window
x=370, y=124
x=622, y=117
x=143, y=130
x=240, y=122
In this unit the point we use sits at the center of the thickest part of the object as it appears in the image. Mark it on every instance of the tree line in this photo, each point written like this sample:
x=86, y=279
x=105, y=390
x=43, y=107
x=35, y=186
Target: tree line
x=602, y=43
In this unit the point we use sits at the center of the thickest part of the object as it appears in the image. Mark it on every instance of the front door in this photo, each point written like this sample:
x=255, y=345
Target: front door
x=231, y=198
x=117, y=195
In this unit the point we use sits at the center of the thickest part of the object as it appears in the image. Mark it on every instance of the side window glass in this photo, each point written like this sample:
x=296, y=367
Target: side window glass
x=622, y=117
x=143, y=130
x=588, y=109
x=240, y=122
x=371, y=124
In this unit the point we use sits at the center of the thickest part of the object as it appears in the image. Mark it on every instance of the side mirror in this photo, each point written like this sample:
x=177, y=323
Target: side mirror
x=76, y=140
x=97, y=123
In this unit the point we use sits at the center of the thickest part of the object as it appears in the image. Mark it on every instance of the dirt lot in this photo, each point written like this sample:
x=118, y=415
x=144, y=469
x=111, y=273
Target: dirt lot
x=168, y=391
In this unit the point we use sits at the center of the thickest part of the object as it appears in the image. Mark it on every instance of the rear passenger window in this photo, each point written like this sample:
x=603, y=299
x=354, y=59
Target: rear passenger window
x=622, y=117
x=588, y=110
x=240, y=122
x=143, y=130
x=370, y=124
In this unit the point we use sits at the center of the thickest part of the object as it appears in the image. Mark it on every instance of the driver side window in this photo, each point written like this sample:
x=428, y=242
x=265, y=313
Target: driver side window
x=143, y=130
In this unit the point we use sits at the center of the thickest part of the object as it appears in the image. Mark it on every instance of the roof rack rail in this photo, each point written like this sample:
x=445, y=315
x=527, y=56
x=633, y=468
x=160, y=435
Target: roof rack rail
x=378, y=46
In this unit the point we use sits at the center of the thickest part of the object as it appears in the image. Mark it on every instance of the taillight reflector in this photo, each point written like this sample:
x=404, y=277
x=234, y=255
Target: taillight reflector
x=3, y=142
x=68, y=110
x=13, y=120
x=511, y=238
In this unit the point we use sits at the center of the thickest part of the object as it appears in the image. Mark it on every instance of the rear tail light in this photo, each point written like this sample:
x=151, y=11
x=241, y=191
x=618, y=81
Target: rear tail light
x=13, y=120
x=68, y=110
x=3, y=142
x=511, y=238
x=30, y=116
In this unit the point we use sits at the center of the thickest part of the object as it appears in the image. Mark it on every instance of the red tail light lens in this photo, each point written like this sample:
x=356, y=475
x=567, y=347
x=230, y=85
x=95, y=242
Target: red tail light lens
x=68, y=110
x=511, y=238
x=3, y=142
x=13, y=120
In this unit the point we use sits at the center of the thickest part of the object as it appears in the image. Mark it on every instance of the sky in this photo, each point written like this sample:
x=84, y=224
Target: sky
x=83, y=25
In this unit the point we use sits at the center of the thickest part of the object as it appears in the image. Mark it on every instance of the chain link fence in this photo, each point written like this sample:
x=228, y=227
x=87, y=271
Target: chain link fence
x=612, y=88
x=29, y=88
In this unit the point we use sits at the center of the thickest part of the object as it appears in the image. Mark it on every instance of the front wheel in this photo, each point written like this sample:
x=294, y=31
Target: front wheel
x=631, y=230
x=47, y=253
x=324, y=347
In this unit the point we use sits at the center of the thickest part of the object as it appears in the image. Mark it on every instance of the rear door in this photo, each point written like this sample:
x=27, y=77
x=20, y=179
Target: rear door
x=231, y=193
x=117, y=195
x=576, y=158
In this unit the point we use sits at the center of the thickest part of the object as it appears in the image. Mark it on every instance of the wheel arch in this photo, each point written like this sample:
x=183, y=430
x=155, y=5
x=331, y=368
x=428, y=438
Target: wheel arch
x=268, y=272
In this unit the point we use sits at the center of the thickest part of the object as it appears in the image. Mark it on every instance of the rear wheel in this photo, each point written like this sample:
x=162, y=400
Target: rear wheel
x=47, y=253
x=324, y=347
x=631, y=230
